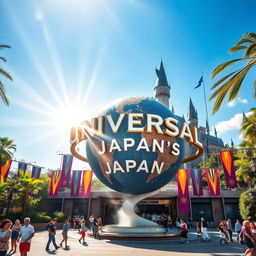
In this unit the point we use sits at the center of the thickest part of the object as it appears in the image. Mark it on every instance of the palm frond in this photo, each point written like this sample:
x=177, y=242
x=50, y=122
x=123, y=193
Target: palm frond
x=244, y=41
x=3, y=94
x=223, y=79
x=224, y=65
x=251, y=50
x=254, y=87
x=6, y=74
x=4, y=46
x=3, y=59
x=236, y=48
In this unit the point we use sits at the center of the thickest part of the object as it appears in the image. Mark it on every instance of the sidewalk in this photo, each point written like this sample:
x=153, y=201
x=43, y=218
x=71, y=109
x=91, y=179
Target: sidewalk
x=136, y=248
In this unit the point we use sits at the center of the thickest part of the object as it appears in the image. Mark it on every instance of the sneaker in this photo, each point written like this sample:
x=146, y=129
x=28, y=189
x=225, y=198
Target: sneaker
x=58, y=247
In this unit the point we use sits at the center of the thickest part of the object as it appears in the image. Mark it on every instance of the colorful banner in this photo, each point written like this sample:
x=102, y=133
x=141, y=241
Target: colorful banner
x=183, y=193
x=197, y=183
x=4, y=171
x=213, y=181
x=36, y=172
x=228, y=168
x=55, y=183
x=75, y=185
x=66, y=169
x=22, y=167
x=86, y=183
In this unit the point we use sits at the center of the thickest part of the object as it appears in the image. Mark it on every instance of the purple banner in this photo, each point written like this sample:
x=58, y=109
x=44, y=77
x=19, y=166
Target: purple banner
x=36, y=172
x=196, y=177
x=76, y=181
x=66, y=170
x=213, y=181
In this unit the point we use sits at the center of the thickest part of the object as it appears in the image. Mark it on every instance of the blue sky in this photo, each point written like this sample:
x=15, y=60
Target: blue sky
x=75, y=55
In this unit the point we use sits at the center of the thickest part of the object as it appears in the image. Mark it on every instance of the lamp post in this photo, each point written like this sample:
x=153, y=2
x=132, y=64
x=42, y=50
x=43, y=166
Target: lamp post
x=10, y=191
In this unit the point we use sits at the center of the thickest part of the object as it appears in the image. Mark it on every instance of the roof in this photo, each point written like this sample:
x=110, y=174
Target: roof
x=161, y=76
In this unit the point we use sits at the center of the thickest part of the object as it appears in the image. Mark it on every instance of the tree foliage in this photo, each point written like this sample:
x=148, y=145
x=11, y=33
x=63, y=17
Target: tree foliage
x=229, y=85
x=247, y=207
x=7, y=149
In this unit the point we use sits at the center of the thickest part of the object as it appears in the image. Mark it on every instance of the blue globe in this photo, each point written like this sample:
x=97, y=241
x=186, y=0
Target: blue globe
x=151, y=169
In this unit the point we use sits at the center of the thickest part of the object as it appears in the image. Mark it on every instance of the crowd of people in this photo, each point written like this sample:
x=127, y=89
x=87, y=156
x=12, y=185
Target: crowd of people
x=23, y=234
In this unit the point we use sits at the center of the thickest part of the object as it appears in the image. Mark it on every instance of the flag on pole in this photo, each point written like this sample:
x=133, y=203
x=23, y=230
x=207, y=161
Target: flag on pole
x=213, y=181
x=5, y=170
x=183, y=193
x=227, y=161
x=86, y=183
x=22, y=167
x=36, y=172
x=75, y=185
x=66, y=169
x=197, y=183
x=199, y=82
x=55, y=183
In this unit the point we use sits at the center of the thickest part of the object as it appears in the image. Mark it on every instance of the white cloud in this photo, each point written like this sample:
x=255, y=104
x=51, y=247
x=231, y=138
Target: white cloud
x=232, y=124
x=237, y=100
x=39, y=15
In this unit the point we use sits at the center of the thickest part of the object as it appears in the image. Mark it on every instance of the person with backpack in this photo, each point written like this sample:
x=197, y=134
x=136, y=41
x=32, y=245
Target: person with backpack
x=51, y=227
x=184, y=232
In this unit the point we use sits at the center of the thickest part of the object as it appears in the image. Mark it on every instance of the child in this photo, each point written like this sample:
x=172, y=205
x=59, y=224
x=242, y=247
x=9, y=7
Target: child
x=83, y=230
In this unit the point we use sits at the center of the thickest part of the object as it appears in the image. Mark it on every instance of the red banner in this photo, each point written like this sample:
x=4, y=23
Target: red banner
x=227, y=161
x=5, y=170
x=183, y=193
x=213, y=181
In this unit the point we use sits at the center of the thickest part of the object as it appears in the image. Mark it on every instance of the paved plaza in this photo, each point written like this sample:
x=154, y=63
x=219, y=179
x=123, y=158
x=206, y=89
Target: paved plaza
x=136, y=248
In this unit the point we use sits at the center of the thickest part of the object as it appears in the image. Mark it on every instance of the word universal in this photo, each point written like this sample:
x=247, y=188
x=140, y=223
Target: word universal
x=152, y=124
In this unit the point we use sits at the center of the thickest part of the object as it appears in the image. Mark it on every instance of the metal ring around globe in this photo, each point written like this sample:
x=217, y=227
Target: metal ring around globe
x=74, y=152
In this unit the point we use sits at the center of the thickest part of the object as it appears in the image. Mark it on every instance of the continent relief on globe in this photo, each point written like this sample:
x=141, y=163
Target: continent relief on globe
x=163, y=157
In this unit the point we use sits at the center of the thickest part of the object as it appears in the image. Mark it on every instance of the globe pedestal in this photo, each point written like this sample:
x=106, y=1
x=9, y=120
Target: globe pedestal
x=132, y=226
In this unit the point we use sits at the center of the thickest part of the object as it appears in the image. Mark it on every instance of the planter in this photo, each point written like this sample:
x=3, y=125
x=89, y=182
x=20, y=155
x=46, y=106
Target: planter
x=42, y=226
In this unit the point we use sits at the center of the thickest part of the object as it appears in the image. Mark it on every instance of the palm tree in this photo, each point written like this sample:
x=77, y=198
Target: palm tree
x=248, y=127
x=230, y=85
x=7, y=148
x=6, y=75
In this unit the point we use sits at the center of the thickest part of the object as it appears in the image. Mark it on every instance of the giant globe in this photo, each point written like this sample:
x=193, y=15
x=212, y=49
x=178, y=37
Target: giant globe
x=136, y=180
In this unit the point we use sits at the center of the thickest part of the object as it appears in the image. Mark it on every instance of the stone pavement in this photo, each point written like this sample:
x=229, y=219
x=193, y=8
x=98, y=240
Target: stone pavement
x=136, y=248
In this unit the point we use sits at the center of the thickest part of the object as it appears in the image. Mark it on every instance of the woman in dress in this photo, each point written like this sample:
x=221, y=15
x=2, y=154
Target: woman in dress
x=15, y=234
x=5, y=234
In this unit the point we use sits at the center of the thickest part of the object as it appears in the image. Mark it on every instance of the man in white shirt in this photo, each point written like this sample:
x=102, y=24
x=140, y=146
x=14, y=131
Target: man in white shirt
x=26, y=233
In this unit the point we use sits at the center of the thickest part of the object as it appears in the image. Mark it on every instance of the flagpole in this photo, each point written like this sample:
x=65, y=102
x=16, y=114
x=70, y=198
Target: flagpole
x=206, y=110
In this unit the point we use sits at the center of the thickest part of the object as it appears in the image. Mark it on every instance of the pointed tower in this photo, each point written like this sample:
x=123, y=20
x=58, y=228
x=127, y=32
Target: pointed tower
x=215, y=132
x=244, y=116
x=192, y=114
x=162, y=88
x=232, y=143
x=207, y=127
x=172, y=109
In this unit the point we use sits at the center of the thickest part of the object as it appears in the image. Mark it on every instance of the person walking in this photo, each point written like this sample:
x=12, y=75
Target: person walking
x=204, y=226
x=198, y=231
x=229, y=225
x=26, y=233
x=51, y=236
x=5, y=234
x=184, y=232
x=238, y=227
x=74, y=222
x=83, y=231
x=247, y=238
x=15, y=234
x=65, y=234
x=91, y=219
x=95, y=228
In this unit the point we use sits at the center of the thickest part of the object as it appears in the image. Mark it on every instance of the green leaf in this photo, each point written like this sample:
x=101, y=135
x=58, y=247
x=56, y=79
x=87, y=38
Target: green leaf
x=3, y=59
x=224, y=65
x=6, y=74
x=222, y=79
x=236, y=48
x=3, y=94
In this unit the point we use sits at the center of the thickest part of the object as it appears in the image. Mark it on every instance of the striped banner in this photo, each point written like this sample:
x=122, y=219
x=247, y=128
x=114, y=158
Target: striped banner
x=213, y=181
x=36, y=172
x=22, y=167
x=197, y=183
x=75, y=185
x=228, y=168
x=55, y=183
x=183, y=193
x=66, y=170
x=5, y=170
x=86, y=183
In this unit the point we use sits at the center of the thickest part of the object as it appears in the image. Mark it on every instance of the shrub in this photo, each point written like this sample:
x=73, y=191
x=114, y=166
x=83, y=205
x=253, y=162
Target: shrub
x=59, y=216
x=247, y=207
x=40, y=217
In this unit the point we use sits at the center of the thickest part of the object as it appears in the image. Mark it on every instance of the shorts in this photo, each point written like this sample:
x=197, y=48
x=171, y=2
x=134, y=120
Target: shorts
x=248, y=243
x=15, y=235
x=24, y=247
x=65, y=235
x=184, y=234
x=83, y=233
